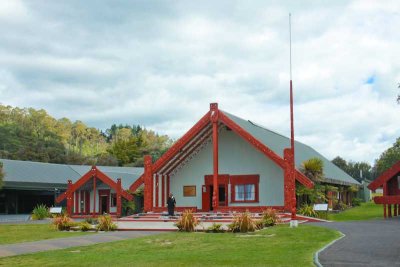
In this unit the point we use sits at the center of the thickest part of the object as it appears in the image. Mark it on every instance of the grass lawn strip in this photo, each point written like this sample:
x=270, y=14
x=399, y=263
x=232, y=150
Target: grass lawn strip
x=276, y=246
x=18, y=233
x=366, y=211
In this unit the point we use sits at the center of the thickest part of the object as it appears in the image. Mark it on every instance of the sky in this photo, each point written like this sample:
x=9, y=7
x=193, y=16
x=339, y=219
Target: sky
x=160, y=63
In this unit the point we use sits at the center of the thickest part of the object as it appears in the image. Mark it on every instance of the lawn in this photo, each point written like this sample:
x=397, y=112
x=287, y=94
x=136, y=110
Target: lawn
x=17, y=233
x=366, y=211
x=276, y=246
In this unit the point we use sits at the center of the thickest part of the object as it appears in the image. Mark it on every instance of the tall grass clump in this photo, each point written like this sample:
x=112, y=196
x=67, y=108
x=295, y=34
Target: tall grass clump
x=105, y=223
x=187, y=222
x=243, y=223
x=270, y=217
x=40, y=212
x=63, y=222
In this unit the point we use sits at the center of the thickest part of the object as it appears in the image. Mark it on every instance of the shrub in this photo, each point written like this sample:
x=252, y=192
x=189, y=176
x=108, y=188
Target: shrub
x=85, y=226
x=187, y=222
x=243, y=223
x=215, y=228
x=340, y=206
x=308, y=210
x=270, y=217
x=259, y=224
x=40, y=212
x=63, y=222
x=92, y=220
x=356, y=202
x=106, y=223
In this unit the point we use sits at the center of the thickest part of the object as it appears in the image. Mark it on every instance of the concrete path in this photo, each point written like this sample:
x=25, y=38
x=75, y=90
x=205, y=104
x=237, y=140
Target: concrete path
x=367, y=243
x=13, y=218
x=61, y=243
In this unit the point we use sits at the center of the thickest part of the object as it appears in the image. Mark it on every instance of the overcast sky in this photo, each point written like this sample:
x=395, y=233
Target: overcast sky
x=160, y=64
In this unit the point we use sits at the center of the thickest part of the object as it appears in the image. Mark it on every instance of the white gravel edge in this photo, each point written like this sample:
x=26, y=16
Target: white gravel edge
x=316, y=254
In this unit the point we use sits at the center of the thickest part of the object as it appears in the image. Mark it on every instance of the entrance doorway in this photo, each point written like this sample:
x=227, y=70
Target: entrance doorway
x=104, y=201
x=208, y=189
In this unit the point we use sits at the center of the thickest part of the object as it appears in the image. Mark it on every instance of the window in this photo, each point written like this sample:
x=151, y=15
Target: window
x=113, y=200
x=244, y=188
x=245, y=192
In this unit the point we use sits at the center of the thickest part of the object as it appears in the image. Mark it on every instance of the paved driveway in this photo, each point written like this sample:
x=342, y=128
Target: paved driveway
x=367, y=243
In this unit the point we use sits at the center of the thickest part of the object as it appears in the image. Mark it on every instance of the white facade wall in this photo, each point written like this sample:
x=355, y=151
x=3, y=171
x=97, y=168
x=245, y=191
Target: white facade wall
x=101, y=187
x=236, y=156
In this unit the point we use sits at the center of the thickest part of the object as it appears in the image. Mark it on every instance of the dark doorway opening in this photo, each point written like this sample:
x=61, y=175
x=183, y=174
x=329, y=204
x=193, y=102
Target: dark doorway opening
x=103, y=204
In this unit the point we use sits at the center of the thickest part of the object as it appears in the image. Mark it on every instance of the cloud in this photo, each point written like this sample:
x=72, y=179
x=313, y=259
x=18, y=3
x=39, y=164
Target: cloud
x=160, y=64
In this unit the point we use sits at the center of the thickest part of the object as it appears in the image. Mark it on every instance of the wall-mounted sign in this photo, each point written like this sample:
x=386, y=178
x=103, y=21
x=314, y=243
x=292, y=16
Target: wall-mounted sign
x=189, y=190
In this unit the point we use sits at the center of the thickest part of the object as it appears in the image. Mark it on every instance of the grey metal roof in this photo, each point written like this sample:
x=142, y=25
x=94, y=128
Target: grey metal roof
x=31, y=174
x=278, y=142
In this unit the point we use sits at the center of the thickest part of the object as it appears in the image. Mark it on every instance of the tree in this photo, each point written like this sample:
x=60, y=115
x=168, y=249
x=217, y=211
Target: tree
x=357, y=170
x=388, y=158
x=313, y=168
x=341, y=163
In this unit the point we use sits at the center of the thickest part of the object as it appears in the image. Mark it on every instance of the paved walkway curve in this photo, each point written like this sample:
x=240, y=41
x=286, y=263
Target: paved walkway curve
x=67, y=242
x=367, y=243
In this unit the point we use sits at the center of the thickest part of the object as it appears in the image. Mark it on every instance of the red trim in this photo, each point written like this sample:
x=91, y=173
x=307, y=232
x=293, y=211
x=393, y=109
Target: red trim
x=387, y=200
x=245, y=179
x=385, y=176
x=223, y=179
x=137, y=183
x=179, y=209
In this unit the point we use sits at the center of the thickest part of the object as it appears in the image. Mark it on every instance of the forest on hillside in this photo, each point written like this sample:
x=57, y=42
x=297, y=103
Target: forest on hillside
x=30, y=134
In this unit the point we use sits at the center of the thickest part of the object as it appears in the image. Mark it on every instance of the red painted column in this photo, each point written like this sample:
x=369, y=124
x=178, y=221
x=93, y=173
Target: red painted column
x=163, y=191
x=157, y=190
x=148, y=184
x=385, y=193
x=214, y=120
x=119, y=189
x=76, y=211
x=384, y=211
x=69, y=198
x=94, y=195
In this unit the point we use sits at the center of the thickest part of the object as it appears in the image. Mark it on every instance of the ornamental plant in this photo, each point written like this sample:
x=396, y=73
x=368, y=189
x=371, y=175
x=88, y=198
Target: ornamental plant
x=215, y=228
x=40, y=212
x=243, y=223
x=270, y=217
x=63, y=222
x=187, y=222
x=308, y=210
x=106, y=223
x=85, y=226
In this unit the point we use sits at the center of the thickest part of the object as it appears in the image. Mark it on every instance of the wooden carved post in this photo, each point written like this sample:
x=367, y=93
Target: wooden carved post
x=289, y=182
x=214, y=121
x=94, y=195
x=148, y=184
x=384, y=194
x=69, y=198
x=119, y=189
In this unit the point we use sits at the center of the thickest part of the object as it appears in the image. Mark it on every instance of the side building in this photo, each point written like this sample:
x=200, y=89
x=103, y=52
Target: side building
x=27, y=184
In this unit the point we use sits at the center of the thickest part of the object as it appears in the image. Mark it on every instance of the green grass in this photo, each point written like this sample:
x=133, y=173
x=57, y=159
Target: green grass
x=276, y=246
x=17, y=233
x=366, y=211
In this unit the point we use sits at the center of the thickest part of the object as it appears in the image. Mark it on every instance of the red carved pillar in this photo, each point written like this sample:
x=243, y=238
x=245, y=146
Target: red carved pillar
x=94, y=195
x=385, y=193
x=119, y=204
x=214, y=121
x=289, y=182
x=163, y=191
x=148, y=184
x=168, y=185
x=69, y=198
